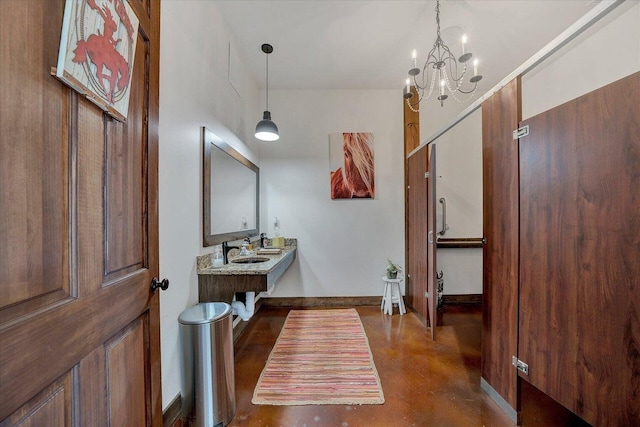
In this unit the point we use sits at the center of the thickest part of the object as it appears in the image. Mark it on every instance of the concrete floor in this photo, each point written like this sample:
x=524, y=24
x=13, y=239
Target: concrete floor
x=425, y=383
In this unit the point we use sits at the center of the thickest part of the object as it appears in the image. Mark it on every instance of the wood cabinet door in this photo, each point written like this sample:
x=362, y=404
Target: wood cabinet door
x=79, y=327
x=417, y=230
x=580, y=253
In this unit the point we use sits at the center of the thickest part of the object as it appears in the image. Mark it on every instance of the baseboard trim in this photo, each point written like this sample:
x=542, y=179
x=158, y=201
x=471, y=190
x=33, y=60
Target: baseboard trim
x=502, y=404
x=305, y=302
x=462, y=299
x=172, y=416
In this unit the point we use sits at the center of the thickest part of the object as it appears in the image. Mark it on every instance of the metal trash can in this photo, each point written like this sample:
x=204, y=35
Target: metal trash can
x=208, y=389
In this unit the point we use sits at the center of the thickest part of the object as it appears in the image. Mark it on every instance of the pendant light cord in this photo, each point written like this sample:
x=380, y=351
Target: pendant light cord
x=267, y=82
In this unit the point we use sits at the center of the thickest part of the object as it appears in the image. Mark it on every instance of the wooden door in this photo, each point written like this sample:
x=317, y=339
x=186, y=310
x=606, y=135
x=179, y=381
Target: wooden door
x=580, y=253
x=432, y=297
x=416, y=279
x=500, y=117
x=79, y=326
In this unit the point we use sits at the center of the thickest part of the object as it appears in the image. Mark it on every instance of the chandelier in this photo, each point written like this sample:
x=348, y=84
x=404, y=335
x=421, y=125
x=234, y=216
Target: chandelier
x=441, y=68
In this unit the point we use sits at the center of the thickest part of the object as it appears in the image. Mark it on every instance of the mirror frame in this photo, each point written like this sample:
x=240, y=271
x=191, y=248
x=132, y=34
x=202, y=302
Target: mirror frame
x=208, y=239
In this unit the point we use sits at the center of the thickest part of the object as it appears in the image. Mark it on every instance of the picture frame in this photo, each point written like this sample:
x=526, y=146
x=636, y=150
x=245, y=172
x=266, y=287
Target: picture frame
x=351, y=160
x=97, y=52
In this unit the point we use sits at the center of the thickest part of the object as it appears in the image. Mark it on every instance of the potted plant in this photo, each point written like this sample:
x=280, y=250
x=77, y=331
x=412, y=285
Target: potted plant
x=392, y=269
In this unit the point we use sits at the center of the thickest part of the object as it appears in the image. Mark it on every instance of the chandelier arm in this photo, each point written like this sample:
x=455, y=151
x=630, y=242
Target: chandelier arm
x=417, y=103
x=447, y=55
x=411, y=106
x=452, y=64
x=469, y=91
x=417, y=85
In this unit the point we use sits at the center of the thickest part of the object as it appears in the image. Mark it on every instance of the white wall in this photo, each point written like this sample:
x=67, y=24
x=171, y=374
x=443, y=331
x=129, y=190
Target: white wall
x=606, y=52
x=343, y=245
x=459, y=170
x=194, y=92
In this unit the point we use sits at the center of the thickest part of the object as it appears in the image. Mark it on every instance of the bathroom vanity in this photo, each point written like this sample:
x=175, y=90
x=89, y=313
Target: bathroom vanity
x=255, y=273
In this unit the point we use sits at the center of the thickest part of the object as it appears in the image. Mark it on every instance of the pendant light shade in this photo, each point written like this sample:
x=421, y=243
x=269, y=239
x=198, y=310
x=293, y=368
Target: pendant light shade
x=266, y=130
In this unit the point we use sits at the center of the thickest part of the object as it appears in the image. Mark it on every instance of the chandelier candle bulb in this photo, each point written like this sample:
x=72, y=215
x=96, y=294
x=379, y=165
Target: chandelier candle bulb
x=414, y=56
x=475, y=67
x=464, y=43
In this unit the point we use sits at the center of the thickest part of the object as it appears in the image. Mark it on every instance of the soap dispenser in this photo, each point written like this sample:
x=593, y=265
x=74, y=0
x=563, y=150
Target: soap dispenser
x=277, y=241
x=217, y=260
x=245, y=248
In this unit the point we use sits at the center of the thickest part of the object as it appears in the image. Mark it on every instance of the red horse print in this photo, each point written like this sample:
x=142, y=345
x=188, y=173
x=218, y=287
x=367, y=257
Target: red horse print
x=124, y=18
x=112, y=69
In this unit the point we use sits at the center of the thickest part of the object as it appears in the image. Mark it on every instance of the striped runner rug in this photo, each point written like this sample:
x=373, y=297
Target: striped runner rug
x=322, y=357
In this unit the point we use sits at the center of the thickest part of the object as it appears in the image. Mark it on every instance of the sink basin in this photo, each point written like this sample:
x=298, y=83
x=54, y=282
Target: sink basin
x=254, y=260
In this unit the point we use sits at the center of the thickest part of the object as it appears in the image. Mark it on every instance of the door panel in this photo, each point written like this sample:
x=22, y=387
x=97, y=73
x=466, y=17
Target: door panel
x=34, y=177
x=125, y=355
x=500, y=116
x=126, y=151
x=432, y=300
x=78, y=211
x=580, y=246
x=417, y=233
x=51, y=407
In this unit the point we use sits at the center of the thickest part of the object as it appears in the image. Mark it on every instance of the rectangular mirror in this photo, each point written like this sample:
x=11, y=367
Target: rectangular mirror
x=230, y=192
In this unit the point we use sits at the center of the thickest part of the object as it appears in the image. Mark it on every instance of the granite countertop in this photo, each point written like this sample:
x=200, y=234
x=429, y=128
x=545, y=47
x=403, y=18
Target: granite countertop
x=204, y=262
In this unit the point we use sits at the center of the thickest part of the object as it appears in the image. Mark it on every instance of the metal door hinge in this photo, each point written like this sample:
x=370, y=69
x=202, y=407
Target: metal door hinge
x=520, y=365
x=427, y=174
x=520, y=132
x=426, y=294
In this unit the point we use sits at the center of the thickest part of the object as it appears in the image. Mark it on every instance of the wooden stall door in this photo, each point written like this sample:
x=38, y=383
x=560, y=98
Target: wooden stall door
x=417, y=229
x=580, y=254
x=500, y=117
x=432, y=297
x=79, y=327
x=421, y=225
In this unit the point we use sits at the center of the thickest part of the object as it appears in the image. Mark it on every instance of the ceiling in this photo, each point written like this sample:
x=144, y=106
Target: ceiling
x=367, y=44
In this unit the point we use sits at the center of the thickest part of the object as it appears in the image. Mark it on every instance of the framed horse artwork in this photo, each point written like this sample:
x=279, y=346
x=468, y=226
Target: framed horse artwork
x=352, y=173
x=97, y=50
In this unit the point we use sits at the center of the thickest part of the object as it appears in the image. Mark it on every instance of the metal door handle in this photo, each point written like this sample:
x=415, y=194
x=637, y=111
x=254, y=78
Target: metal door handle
x=444, y=216
x=431, y=237
x=163, y=285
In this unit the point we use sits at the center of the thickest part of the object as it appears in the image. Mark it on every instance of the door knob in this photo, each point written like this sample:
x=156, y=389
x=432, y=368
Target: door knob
x=163, y=285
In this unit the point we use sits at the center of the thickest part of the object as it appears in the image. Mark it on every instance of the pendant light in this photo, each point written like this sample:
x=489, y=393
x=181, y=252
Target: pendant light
x=266, y=130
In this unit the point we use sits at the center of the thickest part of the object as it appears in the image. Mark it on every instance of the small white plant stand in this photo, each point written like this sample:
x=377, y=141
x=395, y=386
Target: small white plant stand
x=392, y=295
